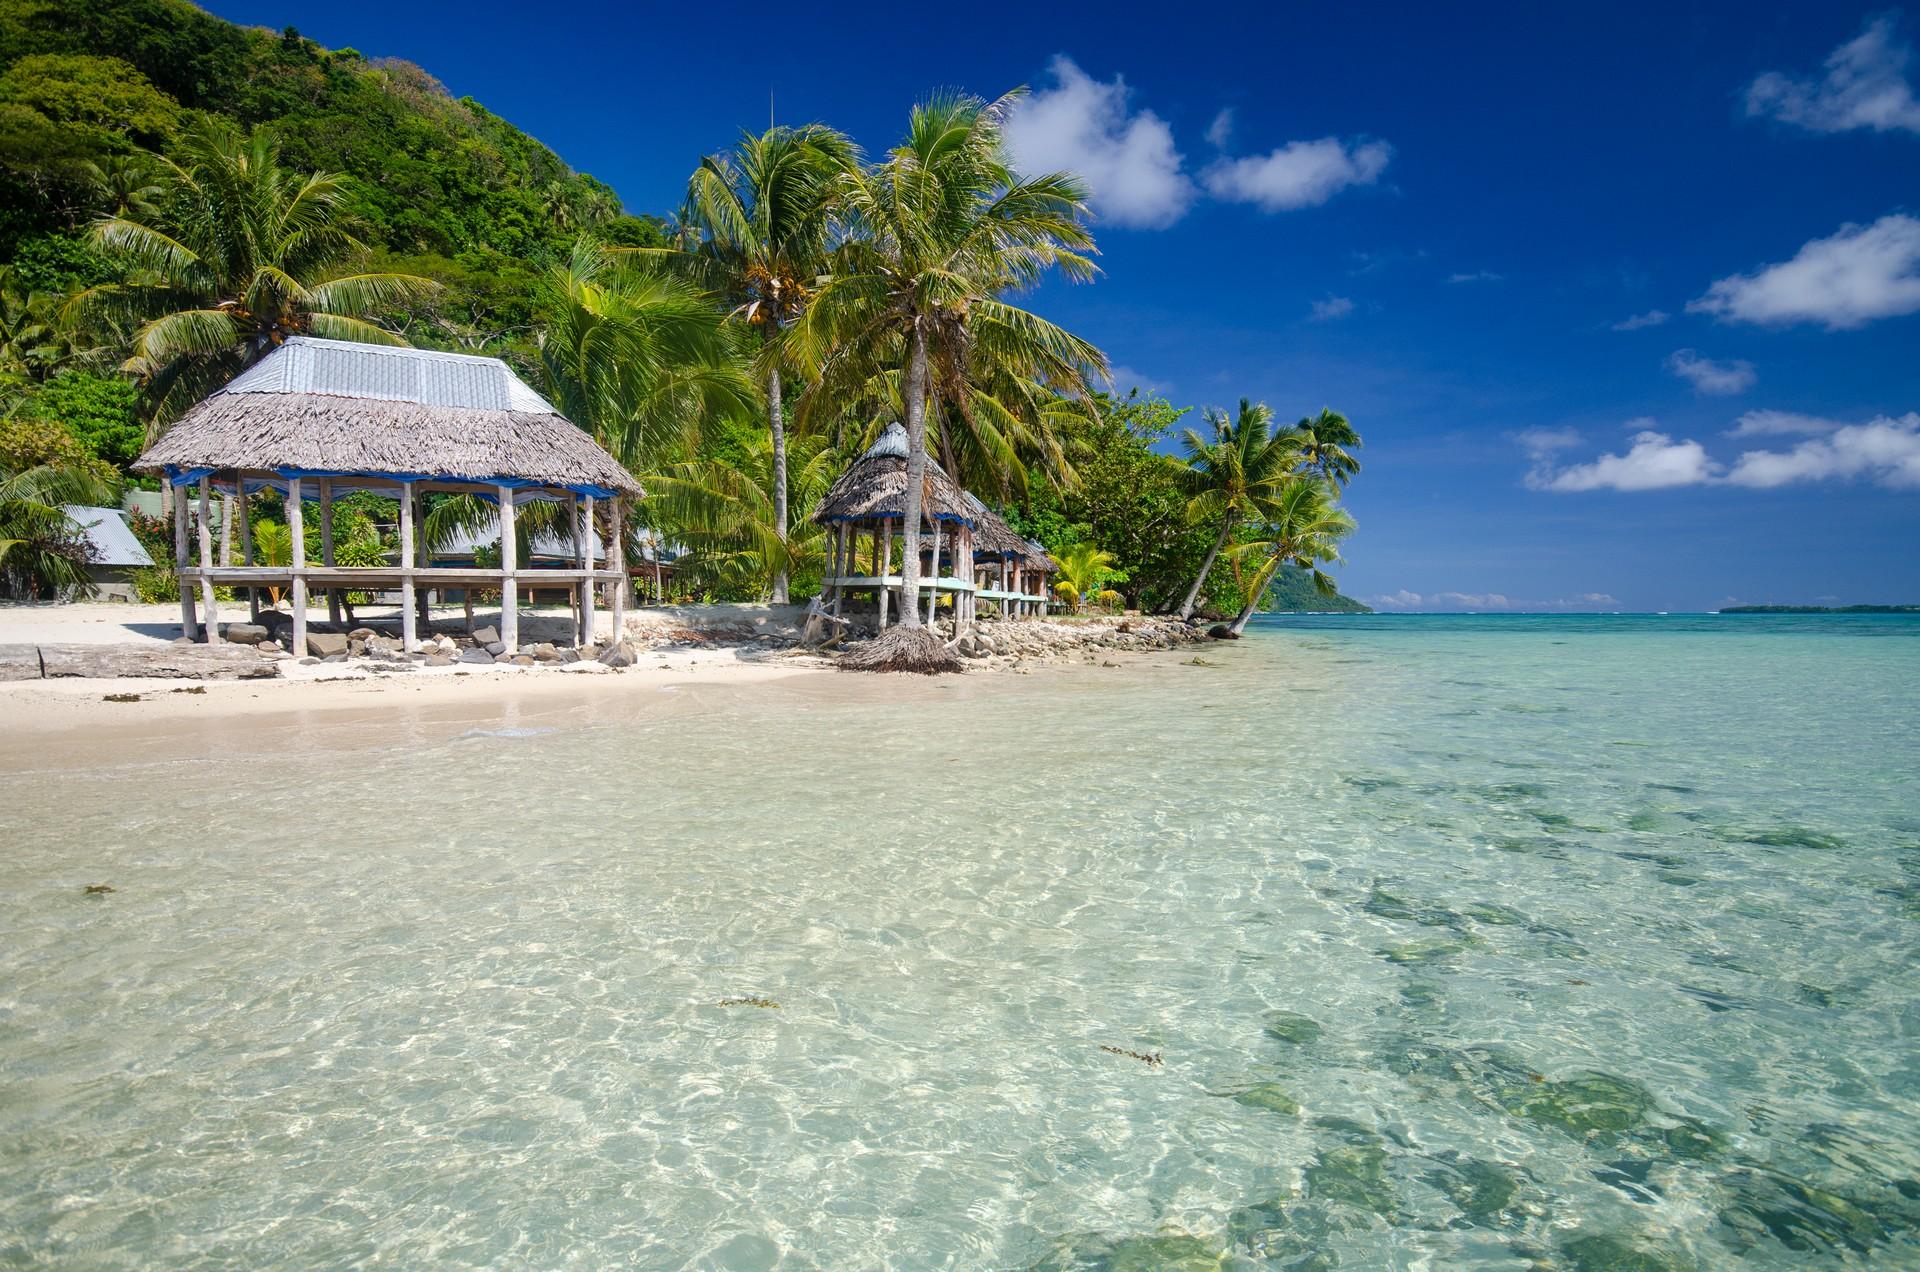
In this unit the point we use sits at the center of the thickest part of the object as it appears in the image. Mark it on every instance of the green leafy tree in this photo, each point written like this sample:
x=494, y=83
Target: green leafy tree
x=247, y=256
x=1236, y=474
x=935, y=239
x=101, y=411
x=758, y=218
x=720, y=508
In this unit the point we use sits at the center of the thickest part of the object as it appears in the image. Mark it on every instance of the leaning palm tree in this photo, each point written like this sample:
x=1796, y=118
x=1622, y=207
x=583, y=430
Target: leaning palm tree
x=935, y=239
x=1235, y=476
x=758, y=219
x=1326, y=442
x=244, y=254
x=1304, y=525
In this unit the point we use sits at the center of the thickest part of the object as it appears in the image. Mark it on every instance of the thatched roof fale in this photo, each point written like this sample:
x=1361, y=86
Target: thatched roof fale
x=334, y=406
x=875, y=486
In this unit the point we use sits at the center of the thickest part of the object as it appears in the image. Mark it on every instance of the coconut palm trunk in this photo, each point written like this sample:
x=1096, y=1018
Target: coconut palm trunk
x=916, y=395
x=776, y=420
x=1206, y=567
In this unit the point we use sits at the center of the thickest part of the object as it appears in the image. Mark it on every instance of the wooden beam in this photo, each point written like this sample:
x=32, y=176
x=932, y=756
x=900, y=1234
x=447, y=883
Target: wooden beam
x=189, y=616
x=933, y=593
x=210, y=629
x=326, y=546
x=297, y=532
x=617, y=559
x=246, y=541
x=509, y=562
x=886, y=566
x=583, y=532
x=409, y=630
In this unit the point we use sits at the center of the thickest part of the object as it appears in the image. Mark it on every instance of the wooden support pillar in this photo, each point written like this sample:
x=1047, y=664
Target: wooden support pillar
x=409, y=631
x=886, y=567
x=226, y=526
x=933, y=592
x=509, y=562
x=617, y=562
x=423, y=596
x=297, y=531
x=326, y=547
x=246, y=541
x=586, y=564
x=211, y=627
x=189, y=616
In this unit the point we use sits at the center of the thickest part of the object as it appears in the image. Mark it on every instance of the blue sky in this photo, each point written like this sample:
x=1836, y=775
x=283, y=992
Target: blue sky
x=1626, y=302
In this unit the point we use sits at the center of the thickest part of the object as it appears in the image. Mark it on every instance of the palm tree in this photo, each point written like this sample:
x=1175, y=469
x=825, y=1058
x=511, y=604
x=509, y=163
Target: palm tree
x=126, y=186
x=1084, y=572
x=1304, y=525
x=1235, y=476
x=934, y=239
x=723, y=513
x=758, y=221
x=42, y=551
x=1325, y=442
x=635, y=358
x=244, y=255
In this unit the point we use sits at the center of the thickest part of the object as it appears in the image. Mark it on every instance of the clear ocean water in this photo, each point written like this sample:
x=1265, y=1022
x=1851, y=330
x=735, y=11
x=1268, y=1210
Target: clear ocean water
x=1505, y=942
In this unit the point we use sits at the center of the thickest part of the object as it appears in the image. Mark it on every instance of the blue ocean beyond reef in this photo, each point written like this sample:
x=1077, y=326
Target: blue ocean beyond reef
x=1513, y=942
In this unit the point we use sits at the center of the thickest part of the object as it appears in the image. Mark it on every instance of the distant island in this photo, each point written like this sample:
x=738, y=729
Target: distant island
x=1293, y=592
x=1820, y=609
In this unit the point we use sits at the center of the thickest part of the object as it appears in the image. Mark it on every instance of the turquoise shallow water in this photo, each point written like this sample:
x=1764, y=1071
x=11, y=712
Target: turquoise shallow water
x=1504, y=942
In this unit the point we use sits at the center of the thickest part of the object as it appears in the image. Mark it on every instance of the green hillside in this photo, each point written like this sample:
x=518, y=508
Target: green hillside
x=1293, y=592
x=442, y=187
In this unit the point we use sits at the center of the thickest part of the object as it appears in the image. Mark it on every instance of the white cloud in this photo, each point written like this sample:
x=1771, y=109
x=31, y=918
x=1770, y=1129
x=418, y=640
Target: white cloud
x=1865, y=86
x=1220, y=131
x=1885, y=451
x=1654, y=462
x=1652, y=318
x=1859, y=274
x=1300, y=174
x=1778, y=423
x=1124, y=378
x=1082, y=125
x=1478, y=276
x=1455, y=601
x=1708, y=376
x=1333, y=307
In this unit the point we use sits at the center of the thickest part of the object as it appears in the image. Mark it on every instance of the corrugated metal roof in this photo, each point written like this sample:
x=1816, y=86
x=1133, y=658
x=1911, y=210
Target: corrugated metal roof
x=343, y=368
x=112, y=538
x=892, y=444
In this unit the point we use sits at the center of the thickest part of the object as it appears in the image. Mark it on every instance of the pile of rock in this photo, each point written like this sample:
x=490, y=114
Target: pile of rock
x=1081, y=640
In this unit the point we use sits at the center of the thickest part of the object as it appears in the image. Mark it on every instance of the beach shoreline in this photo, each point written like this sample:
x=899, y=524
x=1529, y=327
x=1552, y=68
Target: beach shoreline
x=61, y=724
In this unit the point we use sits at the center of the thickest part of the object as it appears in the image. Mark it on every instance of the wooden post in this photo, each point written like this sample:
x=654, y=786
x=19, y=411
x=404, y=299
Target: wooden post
x=617, y=561
x=297, y=531
x=246, y=541
x=509, y=562
x=326, y=547
x=886, y=567
x=409, y=631
x=211, y=628
x=585, y=537
x=423, y=595
x=226, y=526
x=933, y=578
x=189, y=616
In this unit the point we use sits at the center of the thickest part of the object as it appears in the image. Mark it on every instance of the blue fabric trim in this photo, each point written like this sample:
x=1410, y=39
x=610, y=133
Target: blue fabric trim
x=184, y=476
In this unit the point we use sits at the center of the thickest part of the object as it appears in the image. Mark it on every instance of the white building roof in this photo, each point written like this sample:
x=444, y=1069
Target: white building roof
x=109, y=534
x=345, y=368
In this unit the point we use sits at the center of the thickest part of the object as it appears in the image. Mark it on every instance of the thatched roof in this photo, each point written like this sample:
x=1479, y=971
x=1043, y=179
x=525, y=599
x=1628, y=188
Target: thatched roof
x=875, y=485
x=994, y=538
x=333, y=406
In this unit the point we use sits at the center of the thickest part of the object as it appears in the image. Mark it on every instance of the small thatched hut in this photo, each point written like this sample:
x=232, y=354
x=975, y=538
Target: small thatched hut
x=317, y=418
x=1008, y=571
x=870, y=500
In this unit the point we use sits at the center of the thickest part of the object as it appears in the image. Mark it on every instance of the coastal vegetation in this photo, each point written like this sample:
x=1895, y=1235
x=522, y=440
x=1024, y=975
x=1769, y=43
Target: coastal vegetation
x=178, y=195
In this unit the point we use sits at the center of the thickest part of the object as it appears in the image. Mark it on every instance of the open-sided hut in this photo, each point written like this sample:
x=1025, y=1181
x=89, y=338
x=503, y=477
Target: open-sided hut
x=870, y=501
x=316, y=418
x=1008, y=571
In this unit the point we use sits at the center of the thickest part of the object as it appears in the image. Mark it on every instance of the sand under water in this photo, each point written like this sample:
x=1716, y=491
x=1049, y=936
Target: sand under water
x=1566, y=942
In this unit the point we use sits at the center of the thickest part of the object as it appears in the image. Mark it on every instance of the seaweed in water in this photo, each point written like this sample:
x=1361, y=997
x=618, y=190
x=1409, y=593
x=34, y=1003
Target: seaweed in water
x=1170, y=1250
x=748, y=1002
x=1291, y=1026
x=1604, y=1252
x=99, y=889
x=1149, y=1058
